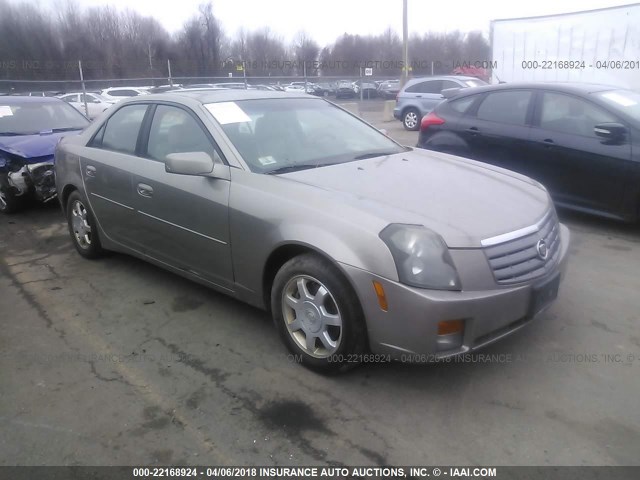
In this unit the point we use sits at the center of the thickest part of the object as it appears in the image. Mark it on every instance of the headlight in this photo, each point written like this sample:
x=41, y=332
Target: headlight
x=422, y=258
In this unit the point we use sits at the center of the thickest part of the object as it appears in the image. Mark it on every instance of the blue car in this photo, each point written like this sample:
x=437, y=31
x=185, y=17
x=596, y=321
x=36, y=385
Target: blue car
x=30, y=128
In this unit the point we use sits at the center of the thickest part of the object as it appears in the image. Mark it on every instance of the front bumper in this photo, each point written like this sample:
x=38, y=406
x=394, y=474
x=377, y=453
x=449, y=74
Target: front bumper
x=411, y=322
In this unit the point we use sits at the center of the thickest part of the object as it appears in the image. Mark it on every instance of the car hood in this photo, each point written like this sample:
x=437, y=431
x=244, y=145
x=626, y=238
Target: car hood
x=32, y=146
x=462, y=200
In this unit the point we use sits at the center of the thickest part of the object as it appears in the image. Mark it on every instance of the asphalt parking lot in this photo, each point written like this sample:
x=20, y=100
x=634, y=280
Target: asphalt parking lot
x=117, y=362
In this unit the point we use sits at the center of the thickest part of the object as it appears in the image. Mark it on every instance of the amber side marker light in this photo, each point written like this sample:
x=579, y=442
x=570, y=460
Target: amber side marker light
x=448, y=327
x=382, y=298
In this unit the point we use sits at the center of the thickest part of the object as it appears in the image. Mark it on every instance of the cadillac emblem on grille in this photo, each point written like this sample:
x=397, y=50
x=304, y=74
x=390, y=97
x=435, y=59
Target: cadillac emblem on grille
x=543, y=251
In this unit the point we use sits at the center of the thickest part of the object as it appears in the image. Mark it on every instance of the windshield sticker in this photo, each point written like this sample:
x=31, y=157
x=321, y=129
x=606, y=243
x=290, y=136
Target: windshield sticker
x=5, y=111
x=268, y=160
x=620, y=99
x=227, y=112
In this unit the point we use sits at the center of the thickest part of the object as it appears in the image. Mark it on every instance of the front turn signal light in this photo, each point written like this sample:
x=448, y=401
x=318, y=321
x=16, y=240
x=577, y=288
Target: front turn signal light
x=382, y=298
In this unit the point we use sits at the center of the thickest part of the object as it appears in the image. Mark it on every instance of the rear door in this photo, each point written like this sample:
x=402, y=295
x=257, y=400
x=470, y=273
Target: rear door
x=577, y=166
x=497, y=129
x=106, y=171
x=182, y=220
x=425, y=94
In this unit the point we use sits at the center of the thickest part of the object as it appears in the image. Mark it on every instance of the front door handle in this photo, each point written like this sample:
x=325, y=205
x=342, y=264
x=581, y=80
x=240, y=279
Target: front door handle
x=418, y=96
x=145, y=190
x=548, y=143
x=90, y=171
x=473, y=131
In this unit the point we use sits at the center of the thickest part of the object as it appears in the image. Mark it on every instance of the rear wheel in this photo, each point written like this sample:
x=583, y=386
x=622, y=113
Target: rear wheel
x=411, y=119
x=317, y=314
x=82, y=227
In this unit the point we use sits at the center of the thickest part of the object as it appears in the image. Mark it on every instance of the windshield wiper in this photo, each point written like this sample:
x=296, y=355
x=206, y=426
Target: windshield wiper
x=373, y=155
x=292, y=168
x=15, y=134
x=66, y=129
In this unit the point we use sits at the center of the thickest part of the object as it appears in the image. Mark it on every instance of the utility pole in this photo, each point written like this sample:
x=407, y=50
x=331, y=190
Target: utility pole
x=405, y=44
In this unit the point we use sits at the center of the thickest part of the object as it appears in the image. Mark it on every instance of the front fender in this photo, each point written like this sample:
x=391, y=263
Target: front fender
x=263, y=219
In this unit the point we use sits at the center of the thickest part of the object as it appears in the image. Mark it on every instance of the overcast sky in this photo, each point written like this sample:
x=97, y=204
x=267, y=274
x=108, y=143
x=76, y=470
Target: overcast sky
x=327, y=19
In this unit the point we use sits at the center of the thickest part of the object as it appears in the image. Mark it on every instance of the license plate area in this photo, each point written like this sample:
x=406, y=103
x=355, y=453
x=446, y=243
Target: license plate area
x=543, y=294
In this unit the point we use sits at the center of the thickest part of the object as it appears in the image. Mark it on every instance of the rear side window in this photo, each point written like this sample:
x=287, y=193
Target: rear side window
x=505, y=107
x=449, y=84
x=173, y=130
x=121, y=132
x=430, y=86
x=462, y=104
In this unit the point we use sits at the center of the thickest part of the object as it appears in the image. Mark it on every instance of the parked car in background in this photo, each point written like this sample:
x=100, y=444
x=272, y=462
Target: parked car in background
x=329, y=88
x=96, y=103
x=369, y=89
x=295, y=88
x=353, y=242
x=165, y=88
x=231, y=85
x=420, y=95
x=48, y=93
x=389, y=89
x=345, y=89
x=30, y=128
x=115, y=94
x=582, y=141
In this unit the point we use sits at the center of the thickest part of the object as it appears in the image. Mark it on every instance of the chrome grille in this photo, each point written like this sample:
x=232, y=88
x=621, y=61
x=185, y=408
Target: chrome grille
x=518, y=260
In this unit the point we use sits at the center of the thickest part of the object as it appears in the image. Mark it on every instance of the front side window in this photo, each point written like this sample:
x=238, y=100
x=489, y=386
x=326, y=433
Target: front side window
x=122, y=128
x=293, y=134
x=173, y=130
x=508, y=107
x=567, y=114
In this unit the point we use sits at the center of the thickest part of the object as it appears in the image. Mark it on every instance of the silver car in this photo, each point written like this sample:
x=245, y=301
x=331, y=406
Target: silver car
x=421, y=95
x=359, y=247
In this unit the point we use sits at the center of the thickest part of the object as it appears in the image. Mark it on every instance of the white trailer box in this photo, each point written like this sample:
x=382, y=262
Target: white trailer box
x=596, y=46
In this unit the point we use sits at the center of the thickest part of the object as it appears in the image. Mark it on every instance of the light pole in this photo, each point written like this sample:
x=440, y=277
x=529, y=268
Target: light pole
x=405, y=44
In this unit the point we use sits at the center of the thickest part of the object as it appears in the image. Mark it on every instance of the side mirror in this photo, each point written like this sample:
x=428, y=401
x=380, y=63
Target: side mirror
x=610, y=131
x=189, y=163
x=450, y=92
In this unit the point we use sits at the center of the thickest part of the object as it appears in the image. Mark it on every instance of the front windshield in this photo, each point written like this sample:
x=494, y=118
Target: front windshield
x=35, y=117
x=624, y=101
x=289, y=134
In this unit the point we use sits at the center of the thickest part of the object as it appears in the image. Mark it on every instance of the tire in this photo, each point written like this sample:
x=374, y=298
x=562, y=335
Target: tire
x=411, y=119
x=9, y=202
x=326, y=331
x=82, y=227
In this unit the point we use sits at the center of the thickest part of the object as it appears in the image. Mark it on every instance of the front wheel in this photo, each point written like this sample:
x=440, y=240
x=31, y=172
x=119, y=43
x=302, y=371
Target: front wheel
x=411, y=119
x=82, y=227
x=317, y=314
x=9, y=202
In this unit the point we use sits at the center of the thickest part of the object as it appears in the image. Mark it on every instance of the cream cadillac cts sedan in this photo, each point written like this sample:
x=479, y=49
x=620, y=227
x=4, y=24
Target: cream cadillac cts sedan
x=354, y=243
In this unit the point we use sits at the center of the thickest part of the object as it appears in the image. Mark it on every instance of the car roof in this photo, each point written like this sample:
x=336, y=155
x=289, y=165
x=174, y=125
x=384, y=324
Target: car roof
x=567, y=87
x=213, y=96
x=442, y=77
x=19, y=99
x=124, y=88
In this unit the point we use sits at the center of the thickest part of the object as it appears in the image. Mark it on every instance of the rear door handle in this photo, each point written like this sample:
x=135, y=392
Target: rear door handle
x=418, y=96
x=548, y=143
x=145, y=190
x=473, y=130
x=90, y=171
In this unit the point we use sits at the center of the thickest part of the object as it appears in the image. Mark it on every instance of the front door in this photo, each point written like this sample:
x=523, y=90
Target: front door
x=183, y=219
